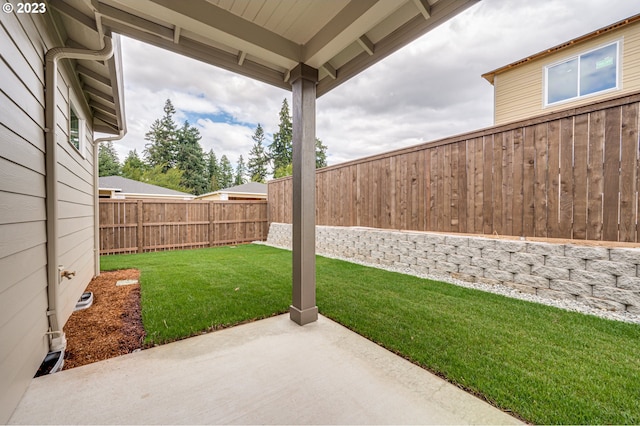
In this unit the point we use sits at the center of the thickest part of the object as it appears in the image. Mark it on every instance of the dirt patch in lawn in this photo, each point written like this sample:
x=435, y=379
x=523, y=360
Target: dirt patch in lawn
x=111, y=327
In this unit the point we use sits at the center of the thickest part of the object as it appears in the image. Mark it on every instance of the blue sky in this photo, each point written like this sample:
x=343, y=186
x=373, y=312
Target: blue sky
x=426, y=91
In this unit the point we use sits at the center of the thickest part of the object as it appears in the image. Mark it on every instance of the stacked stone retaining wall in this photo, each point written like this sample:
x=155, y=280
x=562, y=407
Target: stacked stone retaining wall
x=601, y=277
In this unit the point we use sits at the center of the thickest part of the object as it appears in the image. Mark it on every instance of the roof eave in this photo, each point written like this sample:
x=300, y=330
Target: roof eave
x=490, y=76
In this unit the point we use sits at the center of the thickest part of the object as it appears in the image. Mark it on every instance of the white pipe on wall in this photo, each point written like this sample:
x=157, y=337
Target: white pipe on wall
x=51, y=161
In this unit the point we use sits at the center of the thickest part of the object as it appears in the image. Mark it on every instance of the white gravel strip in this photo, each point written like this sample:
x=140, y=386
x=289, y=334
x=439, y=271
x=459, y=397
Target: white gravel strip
x=569, y=305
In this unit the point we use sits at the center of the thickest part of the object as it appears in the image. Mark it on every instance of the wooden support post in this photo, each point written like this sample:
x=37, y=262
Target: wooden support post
x=303, y=309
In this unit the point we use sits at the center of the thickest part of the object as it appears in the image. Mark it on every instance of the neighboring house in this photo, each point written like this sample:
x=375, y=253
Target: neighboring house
x=52, y=101
x=121, y=188
x=597, y=66
x=247, y=191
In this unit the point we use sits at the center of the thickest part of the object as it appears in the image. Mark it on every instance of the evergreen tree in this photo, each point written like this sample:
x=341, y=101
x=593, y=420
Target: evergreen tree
x=241, y=172
x=280, y=149
x=108, y=163
x=258, y=160
x=161, y=149
x=226, y=173
x=321, y=154
x=321, y=161
x=170, y=178
x=283, y=171
x=213, y=171
x=190, y=159
x=133, y=167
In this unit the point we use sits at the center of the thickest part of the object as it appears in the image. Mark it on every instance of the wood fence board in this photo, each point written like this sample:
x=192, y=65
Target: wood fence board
x=595, y=174
x=496, y=184
x=353, y=201
x=470, y=203
x=565, y=215
x=528, y=178
x=401, y=201
x=628, y=168
x=391, y=183
x=435, y=196
x=611, y=180
x=442, y=203
x=454, y=218
x=428, y=190
x=462, y=186
x=507, y=184
x=487, y=208
x=580, y=162
x=540, y=185
x=376, y=194
x=448, y=190
x=518, y=184
x=553, y=179
x=479, y=186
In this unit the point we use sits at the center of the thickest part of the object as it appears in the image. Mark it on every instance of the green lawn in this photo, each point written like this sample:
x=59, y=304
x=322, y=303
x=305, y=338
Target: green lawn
x=544, y=364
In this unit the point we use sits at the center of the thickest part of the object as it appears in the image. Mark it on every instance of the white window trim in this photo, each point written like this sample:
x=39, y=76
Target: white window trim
x=618, y=44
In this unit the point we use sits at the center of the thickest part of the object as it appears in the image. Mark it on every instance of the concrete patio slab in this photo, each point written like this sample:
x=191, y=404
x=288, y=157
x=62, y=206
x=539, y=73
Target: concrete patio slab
x=267, y=372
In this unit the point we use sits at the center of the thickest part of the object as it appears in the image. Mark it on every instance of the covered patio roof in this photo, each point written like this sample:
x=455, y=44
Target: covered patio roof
x=266, y=39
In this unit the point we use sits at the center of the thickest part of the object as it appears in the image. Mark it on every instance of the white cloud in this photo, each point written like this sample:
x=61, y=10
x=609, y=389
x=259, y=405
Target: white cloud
x=428, y=90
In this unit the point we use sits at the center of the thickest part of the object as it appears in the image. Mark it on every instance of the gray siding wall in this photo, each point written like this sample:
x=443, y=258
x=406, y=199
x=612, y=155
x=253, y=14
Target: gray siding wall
x=24, y=40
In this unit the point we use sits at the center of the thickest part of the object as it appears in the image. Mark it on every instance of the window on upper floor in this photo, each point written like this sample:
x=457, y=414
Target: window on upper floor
x=587, y=74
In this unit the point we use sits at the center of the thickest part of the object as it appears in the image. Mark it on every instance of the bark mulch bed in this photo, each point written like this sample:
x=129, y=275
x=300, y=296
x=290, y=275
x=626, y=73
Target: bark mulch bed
x=111, y=327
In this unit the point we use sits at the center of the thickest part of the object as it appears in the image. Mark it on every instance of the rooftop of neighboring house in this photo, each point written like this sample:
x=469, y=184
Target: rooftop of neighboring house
x=130, y=188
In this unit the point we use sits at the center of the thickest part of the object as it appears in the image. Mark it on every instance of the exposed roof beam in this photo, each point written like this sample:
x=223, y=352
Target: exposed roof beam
x=74, y=14
x=207, y=54
x=176, y=34
x=106, y=118
x=338, y=25
x=219, y=24
x=103, y=108
x=100, y=128
x=366, y=44
x=424, y=7
x=348, y=25
x=114, y=14
x=414, y=28
x=93, y=75
x=241, y=57
x=100, y=94
x=329, y=69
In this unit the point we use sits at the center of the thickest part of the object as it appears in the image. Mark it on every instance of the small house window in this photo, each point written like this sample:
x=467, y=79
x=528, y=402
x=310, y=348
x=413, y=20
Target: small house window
x=592, y=72
x=76, y=130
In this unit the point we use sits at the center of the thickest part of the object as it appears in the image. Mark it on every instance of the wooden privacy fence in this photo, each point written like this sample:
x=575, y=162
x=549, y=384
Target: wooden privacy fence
x=136, y=226
x=572, y=174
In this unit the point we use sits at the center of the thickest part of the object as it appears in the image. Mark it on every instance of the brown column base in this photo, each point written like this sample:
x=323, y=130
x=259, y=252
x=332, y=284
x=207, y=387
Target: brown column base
x=303, y=317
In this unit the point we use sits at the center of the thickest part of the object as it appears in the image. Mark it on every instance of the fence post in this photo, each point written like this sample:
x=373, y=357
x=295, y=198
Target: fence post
x=140, y=228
